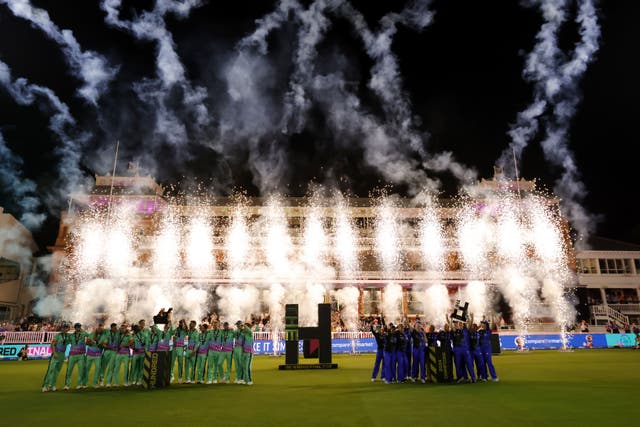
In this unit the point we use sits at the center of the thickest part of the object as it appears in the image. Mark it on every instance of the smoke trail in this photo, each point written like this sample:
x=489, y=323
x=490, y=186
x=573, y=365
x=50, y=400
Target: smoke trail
x=90, y=67
x=22, y=191
x=69, y=149
x=391, y=145
x=385, y=79
x=151, y=25
x=556, y=76
x=268, y=23
x=314, y=24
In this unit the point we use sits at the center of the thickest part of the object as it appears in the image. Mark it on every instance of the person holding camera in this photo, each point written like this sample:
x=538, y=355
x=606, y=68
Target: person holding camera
x=179, y=336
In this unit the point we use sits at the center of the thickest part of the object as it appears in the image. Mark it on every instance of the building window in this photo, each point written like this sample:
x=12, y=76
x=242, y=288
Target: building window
x=9, y=270
x=4, y=312
x=414, y=304
x=587, y=266
x=371, y=299
x=613, y=266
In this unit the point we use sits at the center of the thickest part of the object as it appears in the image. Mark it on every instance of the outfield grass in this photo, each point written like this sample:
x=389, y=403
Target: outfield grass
x=539, y=388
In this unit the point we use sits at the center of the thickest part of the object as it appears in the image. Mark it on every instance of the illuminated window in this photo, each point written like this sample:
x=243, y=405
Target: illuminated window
x=587, y=266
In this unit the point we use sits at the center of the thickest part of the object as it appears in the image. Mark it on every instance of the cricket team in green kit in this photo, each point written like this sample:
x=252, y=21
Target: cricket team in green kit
x=203, y=356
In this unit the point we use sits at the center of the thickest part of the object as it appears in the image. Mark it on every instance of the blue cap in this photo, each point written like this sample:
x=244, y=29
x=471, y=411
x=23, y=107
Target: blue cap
x=77, y=325
x=65, y=325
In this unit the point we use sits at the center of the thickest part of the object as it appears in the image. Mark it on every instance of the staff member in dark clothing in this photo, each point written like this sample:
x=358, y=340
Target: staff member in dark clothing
x=378, y=334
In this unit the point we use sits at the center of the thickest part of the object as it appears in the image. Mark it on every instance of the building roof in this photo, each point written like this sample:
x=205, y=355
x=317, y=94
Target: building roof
x=597, y=243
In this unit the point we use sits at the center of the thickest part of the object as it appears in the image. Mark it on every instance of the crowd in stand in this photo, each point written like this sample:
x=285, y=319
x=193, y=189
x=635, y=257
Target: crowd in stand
x=206, y=354
x=404, y=349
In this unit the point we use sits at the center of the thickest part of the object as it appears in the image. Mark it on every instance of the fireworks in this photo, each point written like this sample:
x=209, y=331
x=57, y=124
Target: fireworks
x=279, y=253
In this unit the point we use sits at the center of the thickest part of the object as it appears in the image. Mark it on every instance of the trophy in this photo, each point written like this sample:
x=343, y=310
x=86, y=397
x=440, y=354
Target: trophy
x=460, y=312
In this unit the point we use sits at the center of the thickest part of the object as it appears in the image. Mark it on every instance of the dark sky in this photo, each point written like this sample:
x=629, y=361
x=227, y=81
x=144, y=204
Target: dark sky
x=462, y=76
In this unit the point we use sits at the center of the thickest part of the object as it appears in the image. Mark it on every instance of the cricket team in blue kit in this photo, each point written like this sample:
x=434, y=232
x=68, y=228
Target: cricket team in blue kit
x=402, y=351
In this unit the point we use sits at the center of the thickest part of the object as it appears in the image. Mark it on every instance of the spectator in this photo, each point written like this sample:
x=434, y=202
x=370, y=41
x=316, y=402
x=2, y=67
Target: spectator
x=614, y=328
x=584, y=327
x=23, y=354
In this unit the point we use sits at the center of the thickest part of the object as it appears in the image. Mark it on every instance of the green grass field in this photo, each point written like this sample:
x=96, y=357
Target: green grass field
x=598, y=387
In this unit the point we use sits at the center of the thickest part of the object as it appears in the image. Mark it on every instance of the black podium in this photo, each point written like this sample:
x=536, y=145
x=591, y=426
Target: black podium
x=440, y=364
x=157, y=369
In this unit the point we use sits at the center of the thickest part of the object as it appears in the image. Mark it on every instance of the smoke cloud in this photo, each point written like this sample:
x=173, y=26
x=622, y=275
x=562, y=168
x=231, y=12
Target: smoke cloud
x=556, y=76
x=90, y=67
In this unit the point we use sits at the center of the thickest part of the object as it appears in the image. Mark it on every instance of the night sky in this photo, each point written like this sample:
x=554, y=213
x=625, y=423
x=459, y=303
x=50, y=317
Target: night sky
x=461, y=77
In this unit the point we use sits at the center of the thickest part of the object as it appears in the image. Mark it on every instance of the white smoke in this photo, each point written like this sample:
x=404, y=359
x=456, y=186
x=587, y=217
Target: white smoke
x=90, y=67
x=95, y=297
x=237, y=302
x=348, y=298
x=69, y=150
x=275, y=301
x=392, y=303
x=477, y=295
x=436, y=303
x=22, y=191
x=151, y=25
x=556, y=76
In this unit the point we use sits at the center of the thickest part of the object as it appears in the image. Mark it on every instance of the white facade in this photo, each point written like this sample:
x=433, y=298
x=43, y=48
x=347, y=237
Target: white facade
x=16, y=261
x=610, y=272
